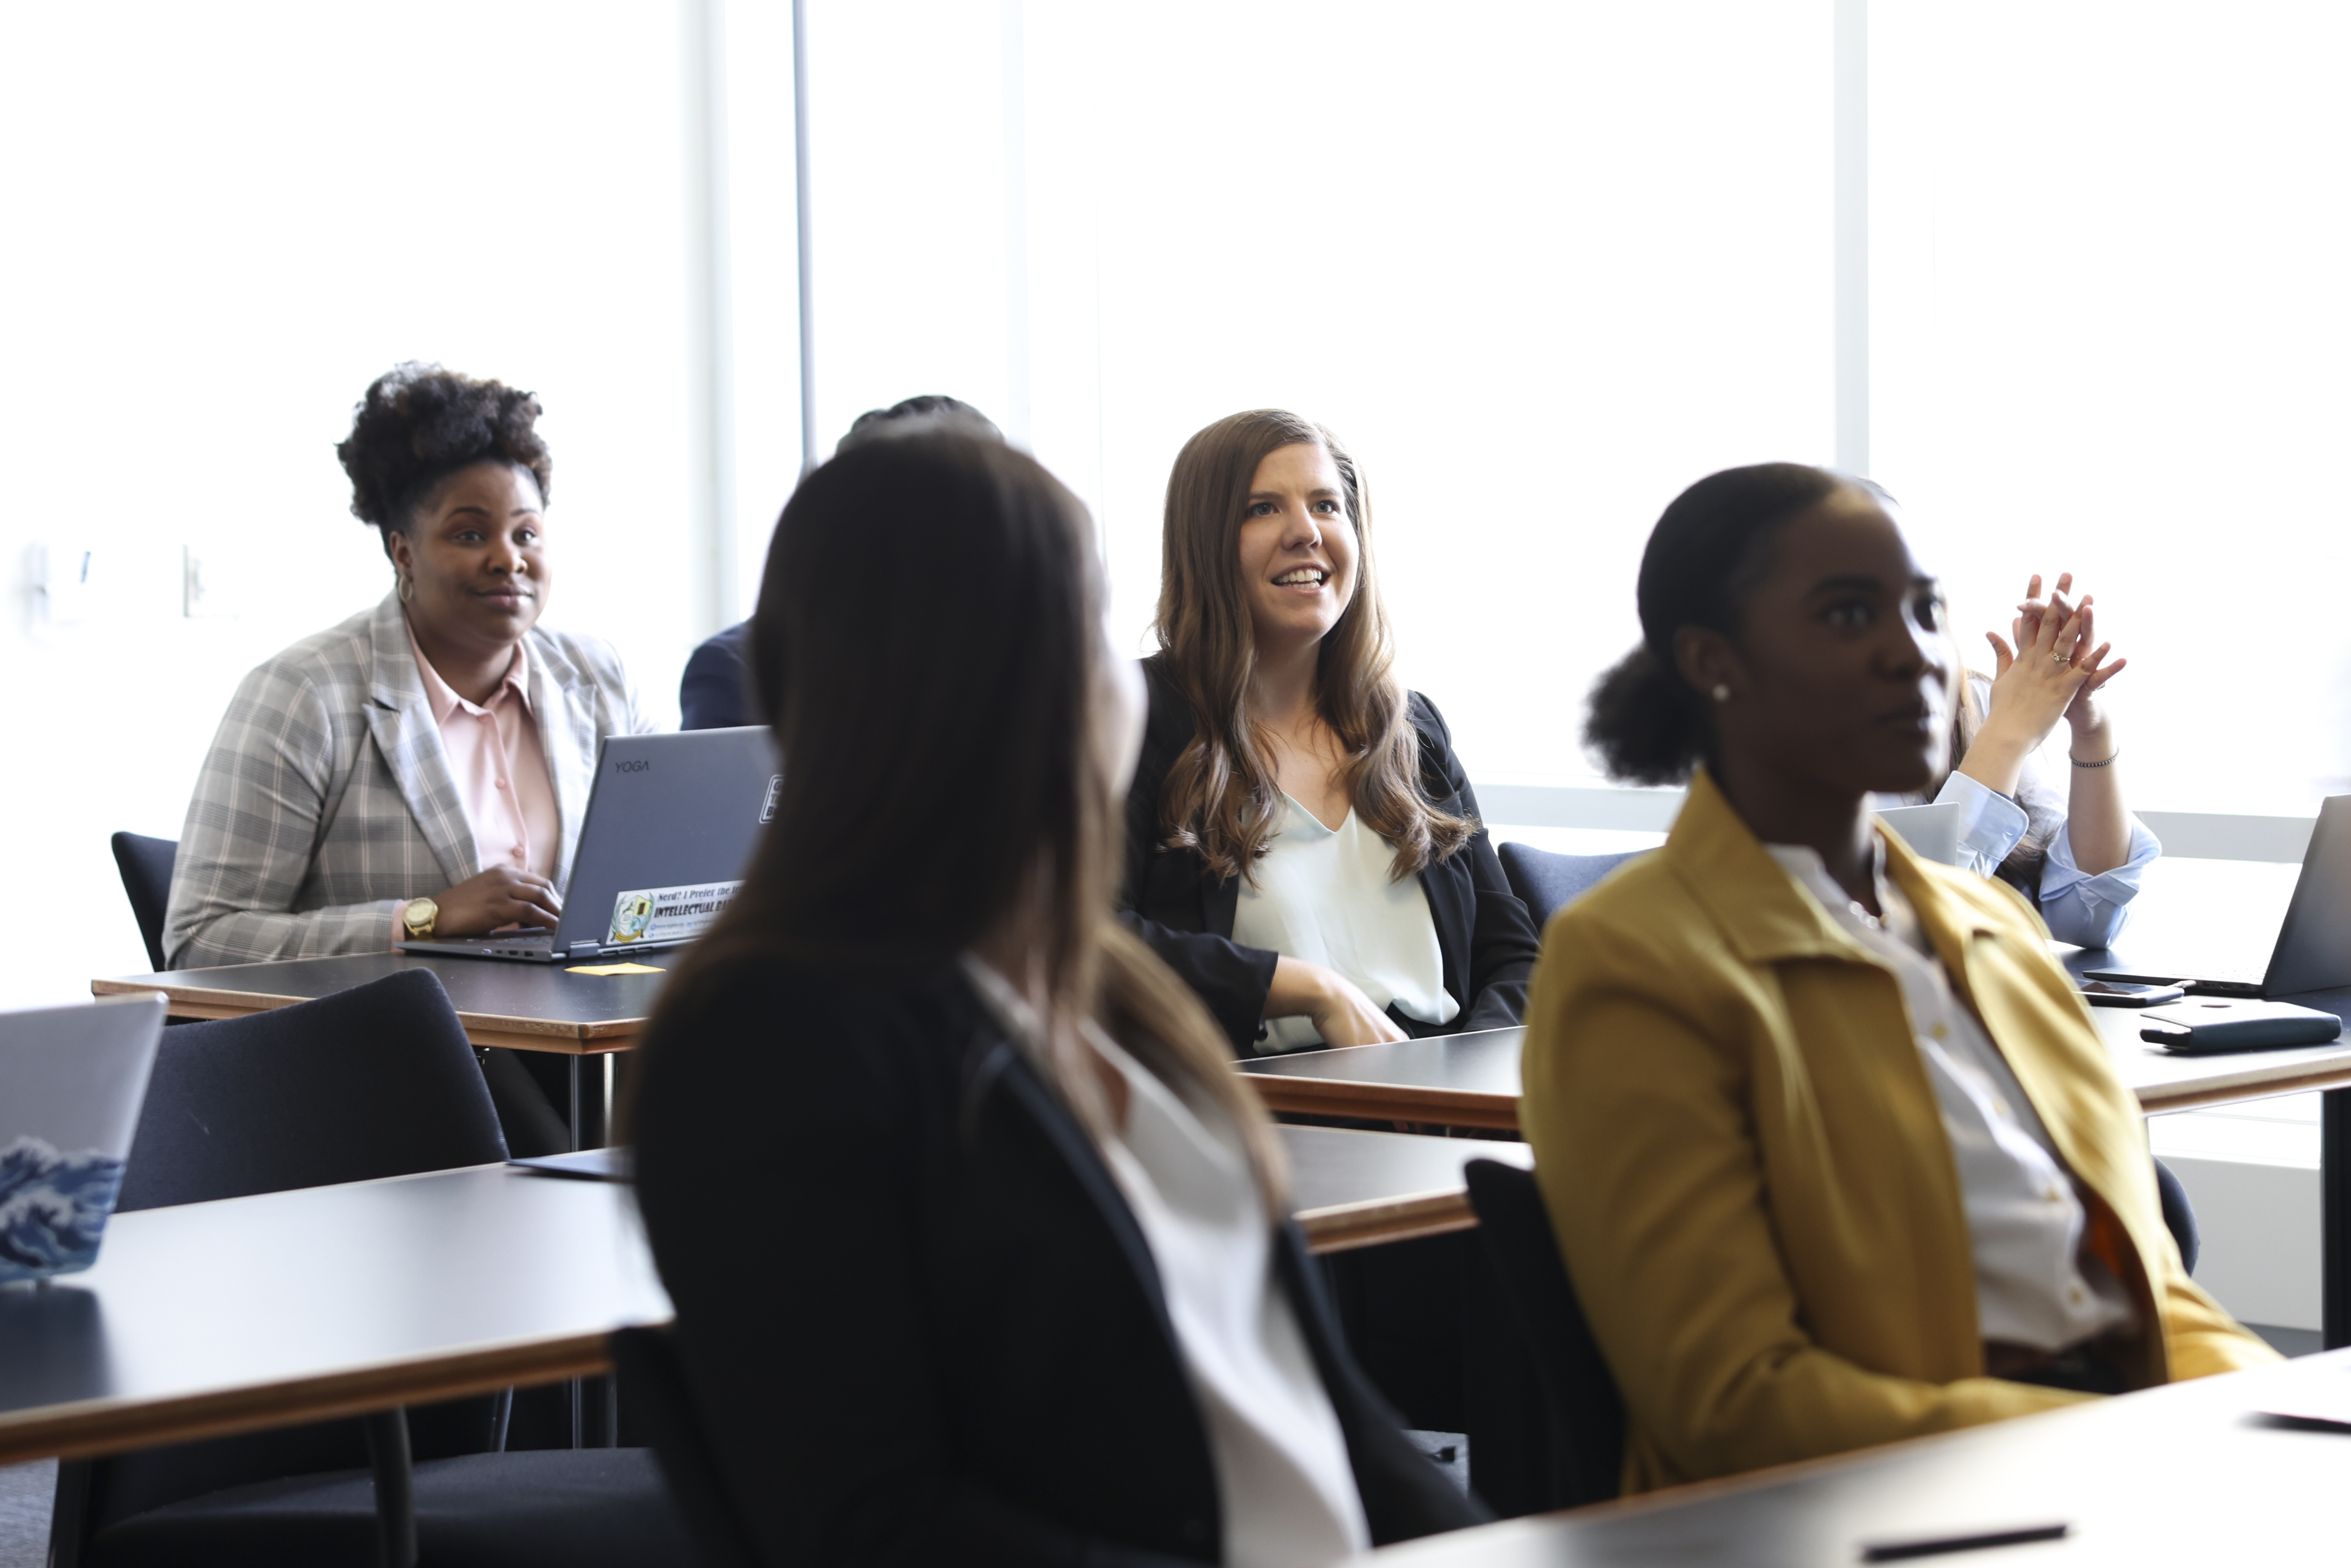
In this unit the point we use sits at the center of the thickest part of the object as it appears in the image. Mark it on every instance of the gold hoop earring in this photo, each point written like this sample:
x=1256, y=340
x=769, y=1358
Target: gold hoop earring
x=405, y=588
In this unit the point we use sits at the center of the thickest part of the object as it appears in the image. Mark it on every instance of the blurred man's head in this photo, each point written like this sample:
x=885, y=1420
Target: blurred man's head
x=923, y=415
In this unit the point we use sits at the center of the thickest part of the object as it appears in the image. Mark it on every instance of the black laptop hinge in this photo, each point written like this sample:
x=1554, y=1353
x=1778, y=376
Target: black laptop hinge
x=584, y=950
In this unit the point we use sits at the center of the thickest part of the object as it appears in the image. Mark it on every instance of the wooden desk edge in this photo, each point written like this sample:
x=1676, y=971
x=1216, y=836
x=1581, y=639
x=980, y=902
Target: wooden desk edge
x=483, y=1029
x=1384, y=1101
x=2333, y=1074
x=97, y=1427
x=1343, y=1227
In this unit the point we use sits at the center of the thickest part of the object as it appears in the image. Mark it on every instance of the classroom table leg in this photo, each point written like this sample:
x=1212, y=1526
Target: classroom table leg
x=572, y=1117
x=2334, y=1217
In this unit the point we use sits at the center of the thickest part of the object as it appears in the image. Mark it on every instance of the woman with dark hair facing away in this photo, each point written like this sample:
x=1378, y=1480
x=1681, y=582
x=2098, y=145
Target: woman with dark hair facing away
x=2077, y=855
x=1302, y=843
x=1032, y=1297
x=1833, y=1152
x=421, y=768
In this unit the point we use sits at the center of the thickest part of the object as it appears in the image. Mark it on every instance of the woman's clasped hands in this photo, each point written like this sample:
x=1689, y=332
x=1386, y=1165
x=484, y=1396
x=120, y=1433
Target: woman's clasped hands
x=2055, y=670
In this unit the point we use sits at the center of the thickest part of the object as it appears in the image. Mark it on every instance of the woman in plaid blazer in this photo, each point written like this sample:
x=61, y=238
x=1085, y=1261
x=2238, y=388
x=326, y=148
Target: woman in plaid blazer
x=380, y=764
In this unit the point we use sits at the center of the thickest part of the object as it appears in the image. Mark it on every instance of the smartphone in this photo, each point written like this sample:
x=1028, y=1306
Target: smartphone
x=2117, y=994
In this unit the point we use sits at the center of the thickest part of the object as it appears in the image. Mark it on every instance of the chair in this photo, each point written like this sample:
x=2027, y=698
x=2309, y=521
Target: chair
x=2178, y=1216
x=646, y=1365
x=146, y=867
x=1547, y=883
x=375, y=1082
x=1584, y=1436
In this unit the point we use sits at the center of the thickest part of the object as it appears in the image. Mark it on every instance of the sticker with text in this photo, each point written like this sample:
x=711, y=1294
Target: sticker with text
x=668, y=913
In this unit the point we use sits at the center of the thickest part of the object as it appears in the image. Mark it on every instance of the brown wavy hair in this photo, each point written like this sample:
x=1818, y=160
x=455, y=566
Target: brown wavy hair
x=962, y=696
x=1221, y=795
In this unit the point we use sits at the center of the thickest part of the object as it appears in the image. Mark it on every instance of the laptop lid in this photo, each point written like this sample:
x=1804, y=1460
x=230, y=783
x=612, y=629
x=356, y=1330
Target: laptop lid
x=1931, y=831
x=2314, y=946
x=72, y=1080
x=671, y=825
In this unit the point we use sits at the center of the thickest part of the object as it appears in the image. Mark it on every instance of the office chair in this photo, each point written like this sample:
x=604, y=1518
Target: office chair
x=378, y=1080
x=1584, y=1436
x=646, y=1365
x=1547, y=883
x=2178, y=1216
x=146, y=867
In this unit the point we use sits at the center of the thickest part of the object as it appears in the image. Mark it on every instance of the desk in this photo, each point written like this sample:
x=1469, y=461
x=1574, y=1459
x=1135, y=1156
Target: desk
x=1350, y=1189
x=249, y=1312
x=1472, y=1080
x=522, y=1006
x=2181, y=1474
x=223, y=1317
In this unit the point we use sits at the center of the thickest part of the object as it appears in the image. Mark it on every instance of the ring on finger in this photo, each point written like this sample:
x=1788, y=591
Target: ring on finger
x=2060, y=656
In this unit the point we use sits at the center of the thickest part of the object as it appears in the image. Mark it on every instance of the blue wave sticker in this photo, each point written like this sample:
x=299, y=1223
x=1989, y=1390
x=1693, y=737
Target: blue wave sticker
x=53, y=1207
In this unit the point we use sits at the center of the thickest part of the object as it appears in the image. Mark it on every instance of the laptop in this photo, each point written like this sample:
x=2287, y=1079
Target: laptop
x=72, y=1080
x=1931, y=831
x=2313, y=950
x=671, y=825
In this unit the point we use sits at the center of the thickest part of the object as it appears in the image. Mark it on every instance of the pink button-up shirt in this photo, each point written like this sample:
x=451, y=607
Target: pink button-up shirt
x=499, y=768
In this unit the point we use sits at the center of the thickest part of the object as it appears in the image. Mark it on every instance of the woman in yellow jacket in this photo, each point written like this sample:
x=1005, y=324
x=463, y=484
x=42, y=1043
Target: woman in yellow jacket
x=1834, y=1154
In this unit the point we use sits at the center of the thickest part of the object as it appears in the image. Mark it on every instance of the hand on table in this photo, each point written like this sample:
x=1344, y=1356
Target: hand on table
x=498, y=897
x=1342, y=1014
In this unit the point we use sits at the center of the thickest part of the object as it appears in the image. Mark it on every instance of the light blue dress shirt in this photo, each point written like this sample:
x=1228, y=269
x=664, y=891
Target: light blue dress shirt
x=2086, y=910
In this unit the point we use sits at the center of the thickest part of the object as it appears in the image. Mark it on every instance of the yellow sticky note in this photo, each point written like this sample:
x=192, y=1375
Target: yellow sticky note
x=613, y=970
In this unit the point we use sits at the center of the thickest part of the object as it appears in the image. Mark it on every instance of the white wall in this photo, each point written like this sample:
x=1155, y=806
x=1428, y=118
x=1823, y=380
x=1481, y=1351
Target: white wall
x=223, y=222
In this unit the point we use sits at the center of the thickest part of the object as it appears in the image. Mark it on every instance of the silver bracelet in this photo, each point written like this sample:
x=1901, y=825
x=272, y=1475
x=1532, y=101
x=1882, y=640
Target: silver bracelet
x=2109, y=762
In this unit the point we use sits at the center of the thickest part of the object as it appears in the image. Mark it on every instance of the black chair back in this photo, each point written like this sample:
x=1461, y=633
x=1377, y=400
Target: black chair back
x=146, y=867
x=378, y=1080
x=1585, y=1432
x=2178, y=1216
x=652, y=1380
x=1547, y=883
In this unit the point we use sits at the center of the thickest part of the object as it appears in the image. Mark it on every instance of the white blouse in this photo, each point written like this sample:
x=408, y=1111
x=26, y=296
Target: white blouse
x=2034, y=1285
x=1284, y=1482
x=1326, y=897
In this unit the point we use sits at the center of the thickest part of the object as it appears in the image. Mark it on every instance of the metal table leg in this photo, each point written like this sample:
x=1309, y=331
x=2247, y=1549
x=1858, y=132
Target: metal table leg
x=2334, y=1215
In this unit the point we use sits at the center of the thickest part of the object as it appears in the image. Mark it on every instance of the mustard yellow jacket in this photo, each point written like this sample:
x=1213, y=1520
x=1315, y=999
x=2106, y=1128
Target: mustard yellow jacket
x=1750, y=1177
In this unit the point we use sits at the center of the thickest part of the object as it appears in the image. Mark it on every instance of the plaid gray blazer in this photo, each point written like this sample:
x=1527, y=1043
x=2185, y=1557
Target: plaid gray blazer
x=326, y=801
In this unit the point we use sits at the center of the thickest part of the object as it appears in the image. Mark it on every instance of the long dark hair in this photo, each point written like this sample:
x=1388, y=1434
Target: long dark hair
x=927, y=646
x=1220, y=794
x=1708, y=552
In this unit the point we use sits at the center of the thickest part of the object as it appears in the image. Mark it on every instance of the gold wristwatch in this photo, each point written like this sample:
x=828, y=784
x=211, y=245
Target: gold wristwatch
x=417, y=916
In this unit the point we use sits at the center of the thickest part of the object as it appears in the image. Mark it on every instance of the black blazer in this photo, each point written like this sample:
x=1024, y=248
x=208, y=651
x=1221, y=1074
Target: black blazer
x=715, y=692
x=921, y=1322
x=1489, y=940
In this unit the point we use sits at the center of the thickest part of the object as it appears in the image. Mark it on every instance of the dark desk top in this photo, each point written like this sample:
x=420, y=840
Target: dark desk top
x=1472, y=1080
x=525, y=1007
x=293, y=1306
x=2183, y=1474
x=1352, y=1189
x=1449, y=1079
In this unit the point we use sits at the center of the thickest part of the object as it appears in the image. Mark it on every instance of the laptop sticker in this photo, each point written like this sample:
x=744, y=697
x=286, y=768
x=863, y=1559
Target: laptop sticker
x=668, y=913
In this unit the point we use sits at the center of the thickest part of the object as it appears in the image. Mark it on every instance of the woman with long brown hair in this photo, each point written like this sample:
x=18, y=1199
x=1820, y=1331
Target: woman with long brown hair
x=1303, y=844
x=1016, y=1284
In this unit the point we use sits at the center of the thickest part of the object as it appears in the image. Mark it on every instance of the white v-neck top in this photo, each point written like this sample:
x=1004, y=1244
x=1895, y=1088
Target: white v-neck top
x=1284, y=1482
x=1325, y=896
x=2034, y=1285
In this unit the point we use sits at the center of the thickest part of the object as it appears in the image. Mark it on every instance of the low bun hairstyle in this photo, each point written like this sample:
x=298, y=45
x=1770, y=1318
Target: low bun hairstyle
x=1710, y=549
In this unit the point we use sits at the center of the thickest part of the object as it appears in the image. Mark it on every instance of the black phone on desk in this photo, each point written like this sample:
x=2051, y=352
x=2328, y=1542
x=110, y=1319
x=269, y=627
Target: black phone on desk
x=2125, y=994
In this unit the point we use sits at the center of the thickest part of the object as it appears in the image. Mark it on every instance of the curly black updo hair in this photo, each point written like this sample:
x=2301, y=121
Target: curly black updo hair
x=1706, y=554
x=419, y=423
